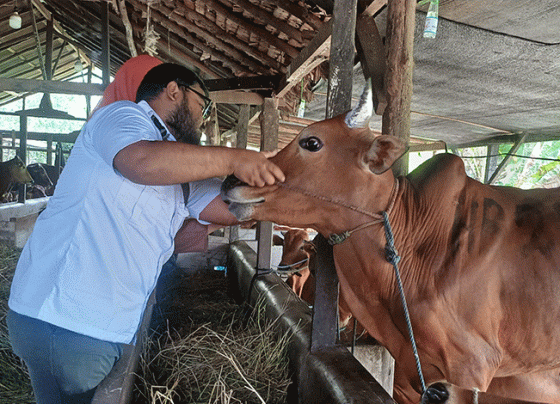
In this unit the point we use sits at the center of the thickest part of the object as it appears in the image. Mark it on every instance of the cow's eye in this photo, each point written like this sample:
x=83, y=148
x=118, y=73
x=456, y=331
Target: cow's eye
x=311, y=143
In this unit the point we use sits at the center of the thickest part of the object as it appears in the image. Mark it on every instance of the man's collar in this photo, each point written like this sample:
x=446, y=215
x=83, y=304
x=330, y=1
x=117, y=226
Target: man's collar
x=153, y=115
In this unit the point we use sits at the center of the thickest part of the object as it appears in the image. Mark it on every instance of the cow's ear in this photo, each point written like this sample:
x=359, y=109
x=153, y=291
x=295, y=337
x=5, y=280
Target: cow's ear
x=277, y=240
x=383, y=153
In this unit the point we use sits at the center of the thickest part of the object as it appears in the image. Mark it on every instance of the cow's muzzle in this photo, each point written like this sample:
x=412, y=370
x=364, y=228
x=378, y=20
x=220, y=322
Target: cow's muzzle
x=232, y=194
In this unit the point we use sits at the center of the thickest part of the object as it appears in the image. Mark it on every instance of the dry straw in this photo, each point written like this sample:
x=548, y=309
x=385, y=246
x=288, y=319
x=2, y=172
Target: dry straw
x=218, y=363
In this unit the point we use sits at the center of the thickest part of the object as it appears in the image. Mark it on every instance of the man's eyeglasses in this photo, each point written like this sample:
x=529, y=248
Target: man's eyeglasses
x=207, y=101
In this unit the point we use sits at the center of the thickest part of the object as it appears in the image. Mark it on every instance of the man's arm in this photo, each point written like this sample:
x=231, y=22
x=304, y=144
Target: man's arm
x=166, y=163
x=217, y=212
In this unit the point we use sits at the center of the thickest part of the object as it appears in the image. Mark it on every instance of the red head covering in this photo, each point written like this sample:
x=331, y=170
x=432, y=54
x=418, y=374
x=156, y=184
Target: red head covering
x=127, y=80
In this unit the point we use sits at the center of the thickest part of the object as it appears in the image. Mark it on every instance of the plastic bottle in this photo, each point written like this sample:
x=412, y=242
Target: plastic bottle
x=430, y=28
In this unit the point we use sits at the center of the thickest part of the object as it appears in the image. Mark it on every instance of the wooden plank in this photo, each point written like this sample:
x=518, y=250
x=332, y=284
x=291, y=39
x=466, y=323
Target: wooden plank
x=315, y=53
x=48, y=86
x=236, y=97
x=398, y=80
x=243, y=83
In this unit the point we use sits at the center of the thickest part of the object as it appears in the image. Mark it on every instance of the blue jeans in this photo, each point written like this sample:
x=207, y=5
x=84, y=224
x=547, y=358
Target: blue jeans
x=64, y=367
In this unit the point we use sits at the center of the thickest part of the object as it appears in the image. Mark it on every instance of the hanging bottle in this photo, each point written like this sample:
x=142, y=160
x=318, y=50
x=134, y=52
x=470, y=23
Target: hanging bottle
x=430, y=28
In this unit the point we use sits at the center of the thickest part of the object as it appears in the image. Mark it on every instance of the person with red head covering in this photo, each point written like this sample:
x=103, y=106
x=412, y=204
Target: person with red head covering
x=127, y=80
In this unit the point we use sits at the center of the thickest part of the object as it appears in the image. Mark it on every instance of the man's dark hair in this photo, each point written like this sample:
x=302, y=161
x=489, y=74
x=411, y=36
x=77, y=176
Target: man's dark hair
x=160, y=76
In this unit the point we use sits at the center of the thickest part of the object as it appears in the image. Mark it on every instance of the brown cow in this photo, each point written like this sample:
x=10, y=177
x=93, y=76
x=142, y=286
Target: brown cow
x=298, y=261
x=13, y=172
x=480, y=264
x=297, y=253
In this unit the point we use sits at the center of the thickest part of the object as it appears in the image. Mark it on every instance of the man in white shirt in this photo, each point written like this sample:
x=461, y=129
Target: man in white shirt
x=95, y=254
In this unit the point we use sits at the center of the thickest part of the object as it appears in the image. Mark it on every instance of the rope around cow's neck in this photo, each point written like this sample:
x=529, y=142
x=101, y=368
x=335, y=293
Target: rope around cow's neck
x=392, y=256
x=338, y=238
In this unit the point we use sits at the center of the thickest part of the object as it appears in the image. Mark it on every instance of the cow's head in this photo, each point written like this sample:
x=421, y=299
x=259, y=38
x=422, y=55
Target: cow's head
x=297, y=250
x=18, y=171
x=330, y=164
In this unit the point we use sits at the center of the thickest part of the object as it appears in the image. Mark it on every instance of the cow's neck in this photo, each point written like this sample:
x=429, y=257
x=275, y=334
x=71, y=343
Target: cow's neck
x=376, y=218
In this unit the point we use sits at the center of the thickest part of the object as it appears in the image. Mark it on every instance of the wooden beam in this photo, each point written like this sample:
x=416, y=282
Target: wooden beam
x=47, y=86
x=236, y=97
x=398, y=80
x=58, y=28
x=315, y=53
x=243, y=83
x=182, y=56
x=242, y=126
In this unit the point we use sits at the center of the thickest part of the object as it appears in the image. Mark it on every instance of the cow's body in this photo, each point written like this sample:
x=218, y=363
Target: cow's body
x=480, y=264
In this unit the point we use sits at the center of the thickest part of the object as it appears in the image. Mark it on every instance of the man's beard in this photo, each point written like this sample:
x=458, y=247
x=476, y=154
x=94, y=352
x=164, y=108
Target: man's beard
x=182, y=125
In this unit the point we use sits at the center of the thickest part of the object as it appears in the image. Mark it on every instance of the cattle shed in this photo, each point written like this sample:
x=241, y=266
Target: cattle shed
x=491, y=76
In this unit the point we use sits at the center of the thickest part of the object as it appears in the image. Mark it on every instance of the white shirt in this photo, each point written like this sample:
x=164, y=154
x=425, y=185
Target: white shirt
x=96, y=251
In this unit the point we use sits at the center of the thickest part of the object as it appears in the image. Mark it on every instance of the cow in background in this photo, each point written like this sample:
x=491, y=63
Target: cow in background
x=298, y=256
x=298, y=262
x=13, y=172
x=41, y=180
x=479, y=264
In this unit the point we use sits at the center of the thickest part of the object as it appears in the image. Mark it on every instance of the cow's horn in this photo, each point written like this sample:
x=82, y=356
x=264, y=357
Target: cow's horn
x=359, y=117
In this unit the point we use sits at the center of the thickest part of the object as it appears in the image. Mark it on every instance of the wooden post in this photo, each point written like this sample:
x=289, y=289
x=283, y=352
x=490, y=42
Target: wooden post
x=213, y=129
x=49, y=149
x=398, y=79
x=339, y=100
x=241, y=143
x=22, y=151
x=269, y=121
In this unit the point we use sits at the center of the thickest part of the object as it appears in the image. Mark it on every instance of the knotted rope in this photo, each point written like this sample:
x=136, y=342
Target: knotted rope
x=392, y=256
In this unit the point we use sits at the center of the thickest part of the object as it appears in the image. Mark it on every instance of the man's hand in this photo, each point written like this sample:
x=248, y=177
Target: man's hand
x=255, y=168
